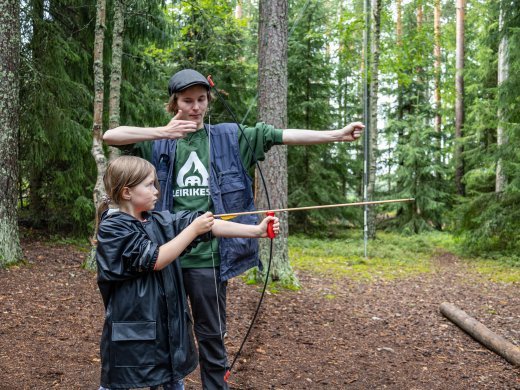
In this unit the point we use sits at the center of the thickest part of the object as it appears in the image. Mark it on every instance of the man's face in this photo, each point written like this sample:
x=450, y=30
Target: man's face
x=193, y=102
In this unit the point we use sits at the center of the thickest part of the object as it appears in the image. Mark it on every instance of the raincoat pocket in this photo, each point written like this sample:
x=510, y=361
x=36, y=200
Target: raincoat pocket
x=134, y=343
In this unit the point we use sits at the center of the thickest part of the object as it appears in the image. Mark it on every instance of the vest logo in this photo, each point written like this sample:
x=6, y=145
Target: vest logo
x=193, y=173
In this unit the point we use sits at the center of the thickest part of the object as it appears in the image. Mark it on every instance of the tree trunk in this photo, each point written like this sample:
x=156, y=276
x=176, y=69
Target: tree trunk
x=37, y=47
x=10, y=251
x=400, y=102
x=420, y=16
x=481, y=333
x=437, y=64
x=459, y=100
x=374, y=88
x=238, y=10
x=421, y=90
x=399, y=24
x=272, y=108
x=97, y=127
x=503, y=75
x=116, y=72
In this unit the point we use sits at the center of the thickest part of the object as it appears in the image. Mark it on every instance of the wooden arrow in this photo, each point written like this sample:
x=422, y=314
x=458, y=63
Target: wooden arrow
x=327, y=206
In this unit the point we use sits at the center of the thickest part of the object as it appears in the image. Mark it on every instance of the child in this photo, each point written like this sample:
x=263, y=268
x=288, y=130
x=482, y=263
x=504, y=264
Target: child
x=147, y=337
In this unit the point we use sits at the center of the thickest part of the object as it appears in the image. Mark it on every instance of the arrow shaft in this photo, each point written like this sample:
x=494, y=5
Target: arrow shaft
x=327, y=206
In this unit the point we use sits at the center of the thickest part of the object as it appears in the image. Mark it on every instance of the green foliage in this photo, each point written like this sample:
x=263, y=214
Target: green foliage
x=56, y=117
x=320, y=174
x=421, y=176
x=325, y=91
x=286, y=282
x=415, y=163
x=488, y=222
x=56, y=94
x=391, y=256
x=148, y=38
x=211, y=40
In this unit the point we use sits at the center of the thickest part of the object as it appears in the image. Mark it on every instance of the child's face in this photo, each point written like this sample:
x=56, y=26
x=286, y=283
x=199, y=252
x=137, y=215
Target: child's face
x=144, y=195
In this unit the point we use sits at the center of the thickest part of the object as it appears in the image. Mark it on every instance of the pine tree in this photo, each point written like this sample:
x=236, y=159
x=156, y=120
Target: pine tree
x=56, y=168
x=212, y=41
x=272, y=108
x=315, y=173
x=490, y=220
x=459, y=102
x=417, y=159
x=10, y=251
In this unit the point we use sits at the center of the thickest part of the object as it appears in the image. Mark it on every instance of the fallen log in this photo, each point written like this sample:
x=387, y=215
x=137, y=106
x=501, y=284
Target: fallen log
x=481, y=333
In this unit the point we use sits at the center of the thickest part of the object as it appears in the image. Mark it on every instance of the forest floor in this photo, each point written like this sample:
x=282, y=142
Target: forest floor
x=331, y=334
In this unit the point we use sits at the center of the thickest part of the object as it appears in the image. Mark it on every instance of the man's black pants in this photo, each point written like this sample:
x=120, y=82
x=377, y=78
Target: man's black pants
x=202, y=293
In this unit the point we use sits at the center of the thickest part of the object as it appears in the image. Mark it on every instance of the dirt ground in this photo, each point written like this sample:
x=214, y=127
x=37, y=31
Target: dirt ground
x=332, y=334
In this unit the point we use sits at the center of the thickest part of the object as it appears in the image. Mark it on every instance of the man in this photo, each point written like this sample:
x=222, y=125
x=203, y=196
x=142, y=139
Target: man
x=181, y=153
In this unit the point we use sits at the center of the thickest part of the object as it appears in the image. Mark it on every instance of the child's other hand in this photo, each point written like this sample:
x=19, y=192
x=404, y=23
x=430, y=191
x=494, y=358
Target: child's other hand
x=265, y=222
x=203, y=223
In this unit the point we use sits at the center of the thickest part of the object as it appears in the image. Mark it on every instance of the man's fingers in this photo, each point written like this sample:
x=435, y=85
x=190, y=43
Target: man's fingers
x=181, y=122
x=178, y=115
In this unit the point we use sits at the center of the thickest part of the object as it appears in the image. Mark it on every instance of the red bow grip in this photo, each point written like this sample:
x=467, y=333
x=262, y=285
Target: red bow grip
x=270, y=230
x=226, y=375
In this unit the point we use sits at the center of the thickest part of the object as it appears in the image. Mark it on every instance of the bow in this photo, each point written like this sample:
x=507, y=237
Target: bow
x=269, y=229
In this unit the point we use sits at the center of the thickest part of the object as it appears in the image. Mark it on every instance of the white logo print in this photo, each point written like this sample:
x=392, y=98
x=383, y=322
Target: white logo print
x=193, y=173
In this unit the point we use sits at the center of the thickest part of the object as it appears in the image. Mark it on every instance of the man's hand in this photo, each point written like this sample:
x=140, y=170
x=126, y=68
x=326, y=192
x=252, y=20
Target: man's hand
x=178, y=128
x=351, y=132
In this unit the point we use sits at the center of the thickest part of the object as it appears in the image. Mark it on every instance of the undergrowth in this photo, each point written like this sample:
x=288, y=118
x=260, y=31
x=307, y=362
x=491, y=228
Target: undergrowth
x=390, y=256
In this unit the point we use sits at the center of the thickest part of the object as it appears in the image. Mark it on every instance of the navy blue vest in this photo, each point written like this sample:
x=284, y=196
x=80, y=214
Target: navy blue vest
x=231, y=191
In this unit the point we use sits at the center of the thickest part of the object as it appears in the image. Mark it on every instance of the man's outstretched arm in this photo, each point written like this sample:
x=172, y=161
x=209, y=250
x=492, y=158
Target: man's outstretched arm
x=124, y=135
x=349, y=133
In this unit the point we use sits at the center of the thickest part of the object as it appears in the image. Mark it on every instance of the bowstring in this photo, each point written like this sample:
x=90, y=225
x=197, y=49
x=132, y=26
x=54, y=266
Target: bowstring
x=221, y=334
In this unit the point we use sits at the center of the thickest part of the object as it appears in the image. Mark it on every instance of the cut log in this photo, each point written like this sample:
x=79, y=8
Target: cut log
x=481, y=333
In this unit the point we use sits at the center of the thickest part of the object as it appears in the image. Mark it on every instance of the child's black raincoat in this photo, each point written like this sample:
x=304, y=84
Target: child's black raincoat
x=147, y=337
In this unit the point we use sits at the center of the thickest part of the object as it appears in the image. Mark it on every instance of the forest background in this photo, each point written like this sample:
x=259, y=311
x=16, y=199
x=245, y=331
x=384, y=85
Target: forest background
x=455, y=150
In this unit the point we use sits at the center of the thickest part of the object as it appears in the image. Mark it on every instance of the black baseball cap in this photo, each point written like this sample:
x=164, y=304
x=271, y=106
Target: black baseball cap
x=184, y=79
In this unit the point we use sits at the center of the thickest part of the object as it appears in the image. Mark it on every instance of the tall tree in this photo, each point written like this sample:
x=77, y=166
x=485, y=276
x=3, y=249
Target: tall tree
x=99, y=84
x=212, y=40
x=459, y=101
x=373, y=96
x=489, y=220
x=238, y=10
x=437, y=64
x=399, y=41
x=316, y=174
x=272, y=108
x=116, y=76
x=503, y=74
x=56, y=167
x=10, y=250
x=418, y=171
x=347, y=91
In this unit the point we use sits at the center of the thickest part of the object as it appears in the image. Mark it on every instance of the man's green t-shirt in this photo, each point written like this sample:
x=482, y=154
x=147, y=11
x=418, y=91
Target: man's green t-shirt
x=190, y=179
